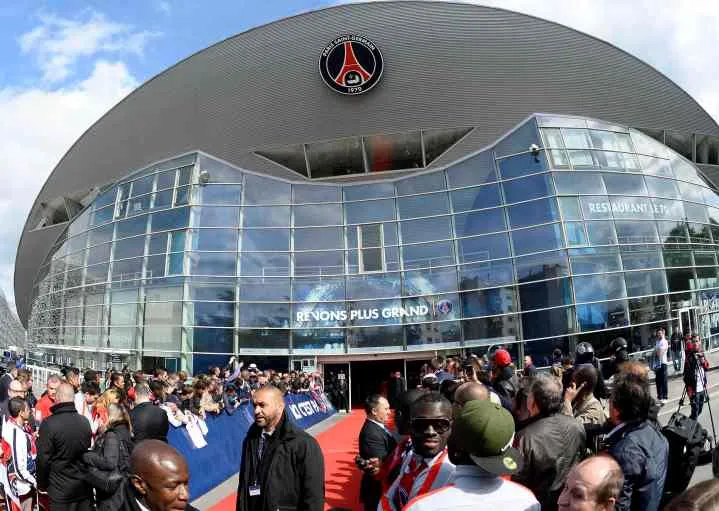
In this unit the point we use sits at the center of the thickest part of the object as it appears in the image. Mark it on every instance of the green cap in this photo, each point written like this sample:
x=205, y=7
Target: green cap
x=485, y=431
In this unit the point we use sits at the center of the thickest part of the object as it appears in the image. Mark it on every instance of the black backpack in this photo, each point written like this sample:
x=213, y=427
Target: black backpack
x=688, y=440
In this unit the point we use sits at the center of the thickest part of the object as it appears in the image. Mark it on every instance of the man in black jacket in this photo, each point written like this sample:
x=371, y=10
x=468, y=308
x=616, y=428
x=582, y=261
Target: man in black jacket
x=149, y=422
x=64, y=437
x=282, y=466
x=375, y=442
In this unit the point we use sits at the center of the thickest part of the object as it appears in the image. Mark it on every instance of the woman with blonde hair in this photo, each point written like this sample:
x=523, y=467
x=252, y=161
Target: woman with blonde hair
x=100, y=410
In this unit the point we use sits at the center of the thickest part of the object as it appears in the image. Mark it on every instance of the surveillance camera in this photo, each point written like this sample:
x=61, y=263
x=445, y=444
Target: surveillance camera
x=204, y=177
x=535, y=149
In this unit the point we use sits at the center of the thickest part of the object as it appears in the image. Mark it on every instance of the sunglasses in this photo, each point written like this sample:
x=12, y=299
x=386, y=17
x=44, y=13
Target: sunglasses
x=440, y=425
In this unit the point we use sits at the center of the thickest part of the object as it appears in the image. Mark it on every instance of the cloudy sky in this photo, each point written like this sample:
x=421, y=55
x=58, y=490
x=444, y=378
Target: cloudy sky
x=66, y=63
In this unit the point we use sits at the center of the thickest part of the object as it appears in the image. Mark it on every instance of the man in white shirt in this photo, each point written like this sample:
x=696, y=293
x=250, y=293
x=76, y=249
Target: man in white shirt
x=19, y=482
x=481, y=448
x=85, y=403
x=661, y=361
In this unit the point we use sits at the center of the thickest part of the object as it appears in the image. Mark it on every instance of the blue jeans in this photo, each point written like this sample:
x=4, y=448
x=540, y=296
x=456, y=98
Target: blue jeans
x=662, y=382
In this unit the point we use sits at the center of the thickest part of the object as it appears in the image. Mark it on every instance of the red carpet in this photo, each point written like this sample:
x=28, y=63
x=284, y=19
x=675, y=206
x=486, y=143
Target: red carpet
x=339, y=446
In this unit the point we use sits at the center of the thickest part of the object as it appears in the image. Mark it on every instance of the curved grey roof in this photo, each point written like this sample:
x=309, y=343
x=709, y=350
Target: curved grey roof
x=446, y=65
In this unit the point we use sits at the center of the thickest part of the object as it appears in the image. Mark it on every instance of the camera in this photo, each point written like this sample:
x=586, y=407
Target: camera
x=361, y=462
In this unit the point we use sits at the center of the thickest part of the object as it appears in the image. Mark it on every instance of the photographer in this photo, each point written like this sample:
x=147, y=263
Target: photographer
x=695, y=377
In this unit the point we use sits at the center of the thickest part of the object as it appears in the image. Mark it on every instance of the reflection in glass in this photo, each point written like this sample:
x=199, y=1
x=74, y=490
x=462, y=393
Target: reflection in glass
x=532, y=213
x=428, y=255
x=578, y=182
x=537, y=239
x=487, y=274
x=479, y=197
x=488, y=302
x=479, y=222
x=214, y=239
x=597, y=316
x=482, y=248
x=427, y=229
x=542, y=266
x=531, y=187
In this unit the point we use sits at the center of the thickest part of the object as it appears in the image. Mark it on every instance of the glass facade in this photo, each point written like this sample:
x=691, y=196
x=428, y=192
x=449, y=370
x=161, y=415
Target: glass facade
x=596, y=232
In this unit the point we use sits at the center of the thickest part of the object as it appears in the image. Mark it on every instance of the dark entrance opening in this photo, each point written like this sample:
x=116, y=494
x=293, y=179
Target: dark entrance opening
x=371, y=377
x=337, y=384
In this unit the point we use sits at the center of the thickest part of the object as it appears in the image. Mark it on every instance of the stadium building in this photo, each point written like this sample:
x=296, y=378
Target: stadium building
x=371, y=184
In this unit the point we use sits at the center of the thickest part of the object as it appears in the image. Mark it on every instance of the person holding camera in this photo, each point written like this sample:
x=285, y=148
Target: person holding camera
x=695, y=377
x=375, y=442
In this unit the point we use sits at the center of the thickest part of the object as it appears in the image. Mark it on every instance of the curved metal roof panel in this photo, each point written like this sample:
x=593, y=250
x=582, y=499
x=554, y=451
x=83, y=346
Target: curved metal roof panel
x=445, y=65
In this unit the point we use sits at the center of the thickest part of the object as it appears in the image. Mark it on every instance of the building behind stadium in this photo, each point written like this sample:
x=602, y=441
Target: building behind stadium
x=373, y=184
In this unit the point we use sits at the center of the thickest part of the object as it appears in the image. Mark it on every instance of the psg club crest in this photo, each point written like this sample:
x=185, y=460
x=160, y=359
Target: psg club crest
x=351, y=64
x=444, y=306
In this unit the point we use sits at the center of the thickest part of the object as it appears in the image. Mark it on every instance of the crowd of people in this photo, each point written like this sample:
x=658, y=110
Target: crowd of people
x=483, y=432
x=74, y=446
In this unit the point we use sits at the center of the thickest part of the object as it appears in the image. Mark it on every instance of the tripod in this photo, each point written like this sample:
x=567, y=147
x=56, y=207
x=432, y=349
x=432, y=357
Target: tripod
x=699, y=372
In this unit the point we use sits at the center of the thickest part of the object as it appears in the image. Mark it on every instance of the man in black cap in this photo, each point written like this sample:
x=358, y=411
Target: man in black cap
x=480, y=447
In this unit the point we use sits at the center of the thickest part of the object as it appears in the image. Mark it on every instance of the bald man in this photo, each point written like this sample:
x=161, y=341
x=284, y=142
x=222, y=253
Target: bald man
x=592, y=485
x=63, y=438
x=282, y=466
x=159, y=479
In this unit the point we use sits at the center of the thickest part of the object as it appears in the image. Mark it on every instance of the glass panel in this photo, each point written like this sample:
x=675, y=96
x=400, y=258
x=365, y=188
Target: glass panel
x=318, y=238
x=683, y=169
x=214, y=239
x=695, y=212
x=545, y=294
x=656, y=166
x=99, y=254
x=578, y=182
x=101, y=235
x=212, y=340
x=156, y=266
x=318, y=214
x=641, y=283
x=576, y=138
x=636, y=232
x=272, y=315
x=659, y=187
x=255, y=289
x=278, y=216
x=371, y=191
x=683, y=143
x=611, y=141
x=131, y=226
x=519, y=139
x=575, y=234
x=182, y=196
x=316, y=193
x=482, y=248
x=437, y=280
x=521, y=165
x=127, y=269
x=479, y=222
x=166, y=180
x=649, y=309
x=170, y=219
x=216, y=290
x=177, y=241
x=489, y=330
x=532, y=213
x=221, y=194
x=622, y=184
x=336, y=158
x=131, y=247
x=598, y=316
x=163, y=199
x=677, y=258
x=370, y=211
x=486, y=274
x=553, y=137
x=591, y=288
x=537, y=239
x=370, y=242
x=680, y=280
x=647, y=145
x=265, y=239
x=377, y=337
x=425, y=183
x=542, y=266
x=547, y=323
x=105, y=199
x=423, y=205
x=319, y=263
x=314, y=315
x=594, y=260
x=316, y=289
x=528, y=188
x=264, y=339
x=158, y=243
x=265, y=264
x=260, y=191
x=672, y=232
x=390, y=152
x=570, y=208
x=428, y=255
x=488, y=302
x=479, y=197
x=209, y=216
x=425, y=230
x=476, y=170
x=432, y=333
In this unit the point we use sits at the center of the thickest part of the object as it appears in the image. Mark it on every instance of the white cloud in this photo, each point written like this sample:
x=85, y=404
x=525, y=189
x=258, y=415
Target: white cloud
x=163, y=6
x=38, y=127
x=58, y=43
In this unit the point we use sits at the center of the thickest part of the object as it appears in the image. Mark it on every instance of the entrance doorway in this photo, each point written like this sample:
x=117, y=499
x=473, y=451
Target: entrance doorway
x=371, y=377
x=337, y=377
x=690, y=324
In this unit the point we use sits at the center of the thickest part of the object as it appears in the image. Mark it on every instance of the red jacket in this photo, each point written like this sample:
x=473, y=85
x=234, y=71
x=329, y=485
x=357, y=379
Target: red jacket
x=42, y=409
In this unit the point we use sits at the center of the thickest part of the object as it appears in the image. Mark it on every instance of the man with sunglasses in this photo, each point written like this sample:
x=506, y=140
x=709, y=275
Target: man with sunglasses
x=427, y=466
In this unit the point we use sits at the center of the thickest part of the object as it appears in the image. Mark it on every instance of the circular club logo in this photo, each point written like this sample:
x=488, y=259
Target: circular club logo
x=351, y=64
x=444, y=306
